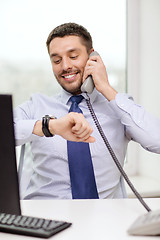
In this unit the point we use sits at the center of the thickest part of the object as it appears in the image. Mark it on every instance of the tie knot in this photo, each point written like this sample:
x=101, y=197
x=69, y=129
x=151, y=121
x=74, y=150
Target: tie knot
x=76, y=99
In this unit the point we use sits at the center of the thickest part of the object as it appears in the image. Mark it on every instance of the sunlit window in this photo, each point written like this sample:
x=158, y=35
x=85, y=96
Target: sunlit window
x=25, y=24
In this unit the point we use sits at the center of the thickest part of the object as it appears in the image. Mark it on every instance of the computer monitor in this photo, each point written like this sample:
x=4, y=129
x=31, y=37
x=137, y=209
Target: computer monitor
x=9, y=188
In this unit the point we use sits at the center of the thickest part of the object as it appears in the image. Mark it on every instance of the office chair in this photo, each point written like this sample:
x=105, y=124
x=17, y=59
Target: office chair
x=25, y=168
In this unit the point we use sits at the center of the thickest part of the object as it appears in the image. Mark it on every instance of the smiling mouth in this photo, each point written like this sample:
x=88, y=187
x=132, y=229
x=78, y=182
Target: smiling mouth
x=70, y=76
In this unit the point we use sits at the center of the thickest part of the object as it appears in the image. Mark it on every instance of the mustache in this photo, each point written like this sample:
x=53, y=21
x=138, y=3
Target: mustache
x=69, y=71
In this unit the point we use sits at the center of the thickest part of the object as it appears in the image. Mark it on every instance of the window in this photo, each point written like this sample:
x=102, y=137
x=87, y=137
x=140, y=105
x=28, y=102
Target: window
x=25, y=24
x=143, y=33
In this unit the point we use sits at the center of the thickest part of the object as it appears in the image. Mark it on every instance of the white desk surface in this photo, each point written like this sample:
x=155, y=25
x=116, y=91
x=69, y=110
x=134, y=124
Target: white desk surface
x=92, y=219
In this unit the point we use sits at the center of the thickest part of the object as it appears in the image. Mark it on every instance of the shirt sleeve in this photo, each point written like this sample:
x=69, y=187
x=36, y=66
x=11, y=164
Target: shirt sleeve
x=24, y=123
x=140, y=126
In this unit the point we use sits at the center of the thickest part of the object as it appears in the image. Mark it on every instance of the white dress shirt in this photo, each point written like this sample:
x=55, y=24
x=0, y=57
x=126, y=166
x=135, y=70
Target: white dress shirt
x=121, y=119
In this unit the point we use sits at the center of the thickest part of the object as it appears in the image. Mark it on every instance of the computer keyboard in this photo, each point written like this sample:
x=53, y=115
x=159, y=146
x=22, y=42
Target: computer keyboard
x=30, y=226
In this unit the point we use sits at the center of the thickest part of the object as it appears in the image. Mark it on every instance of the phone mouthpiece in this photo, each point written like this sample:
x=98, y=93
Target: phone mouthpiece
x=88, y=85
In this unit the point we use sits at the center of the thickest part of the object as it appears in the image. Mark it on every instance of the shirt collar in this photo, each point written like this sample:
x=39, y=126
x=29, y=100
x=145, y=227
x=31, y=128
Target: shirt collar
x=65, y=96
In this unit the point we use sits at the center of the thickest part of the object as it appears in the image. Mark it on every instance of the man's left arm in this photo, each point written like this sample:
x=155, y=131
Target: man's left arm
x=139, y=125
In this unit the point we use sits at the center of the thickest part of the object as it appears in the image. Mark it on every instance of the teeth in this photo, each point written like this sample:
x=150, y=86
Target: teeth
x=69, y=76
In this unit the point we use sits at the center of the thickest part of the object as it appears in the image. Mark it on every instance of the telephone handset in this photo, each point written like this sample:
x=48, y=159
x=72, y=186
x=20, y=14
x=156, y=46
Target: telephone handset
x=88, y=84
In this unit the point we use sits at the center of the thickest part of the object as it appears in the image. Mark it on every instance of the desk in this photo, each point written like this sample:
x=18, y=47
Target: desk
x=92, y=219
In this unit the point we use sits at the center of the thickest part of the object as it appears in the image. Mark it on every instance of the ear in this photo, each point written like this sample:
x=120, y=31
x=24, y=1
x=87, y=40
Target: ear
x=91, y=50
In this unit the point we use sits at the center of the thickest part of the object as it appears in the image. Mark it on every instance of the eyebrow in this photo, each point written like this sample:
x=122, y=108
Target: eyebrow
x=69, y=51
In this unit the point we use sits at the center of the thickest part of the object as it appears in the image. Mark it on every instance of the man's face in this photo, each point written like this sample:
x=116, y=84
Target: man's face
x=68, y=57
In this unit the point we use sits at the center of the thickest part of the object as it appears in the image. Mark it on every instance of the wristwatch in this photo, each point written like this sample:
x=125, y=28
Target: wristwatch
x=45, y=125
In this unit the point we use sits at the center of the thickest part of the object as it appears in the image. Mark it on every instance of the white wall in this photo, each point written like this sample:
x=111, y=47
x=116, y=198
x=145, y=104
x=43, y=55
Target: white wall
x=144, y=70
x=150, y=74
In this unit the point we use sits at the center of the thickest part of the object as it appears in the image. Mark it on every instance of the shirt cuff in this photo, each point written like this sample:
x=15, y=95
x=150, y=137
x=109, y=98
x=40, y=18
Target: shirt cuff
x=122, y=104
x=24, y=129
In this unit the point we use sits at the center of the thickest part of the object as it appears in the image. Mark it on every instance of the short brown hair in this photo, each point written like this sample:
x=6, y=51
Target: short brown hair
x=68, y=29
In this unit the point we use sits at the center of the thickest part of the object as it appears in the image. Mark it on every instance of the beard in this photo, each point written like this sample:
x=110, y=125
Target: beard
x=74, y=90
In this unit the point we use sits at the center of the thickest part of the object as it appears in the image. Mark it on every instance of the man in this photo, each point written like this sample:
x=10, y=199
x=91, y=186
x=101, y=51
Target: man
x=69, y=46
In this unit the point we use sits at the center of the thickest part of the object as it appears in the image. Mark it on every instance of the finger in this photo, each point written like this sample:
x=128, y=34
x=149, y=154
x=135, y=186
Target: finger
x=82, y=129
x=92, y=63
x=88, y=71
x=95, y=58
x=89, y=140
x=84, y=135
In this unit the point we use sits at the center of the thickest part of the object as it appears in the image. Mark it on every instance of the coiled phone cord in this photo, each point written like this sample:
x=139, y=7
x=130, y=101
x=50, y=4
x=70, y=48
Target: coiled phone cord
x=113, y=154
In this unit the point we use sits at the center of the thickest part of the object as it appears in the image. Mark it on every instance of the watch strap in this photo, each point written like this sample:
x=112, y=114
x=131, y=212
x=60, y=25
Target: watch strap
x=45, y=125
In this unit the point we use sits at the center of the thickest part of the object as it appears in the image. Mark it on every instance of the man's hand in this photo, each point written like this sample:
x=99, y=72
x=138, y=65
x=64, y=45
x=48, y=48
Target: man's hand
x=72, y=127
x=97, y=69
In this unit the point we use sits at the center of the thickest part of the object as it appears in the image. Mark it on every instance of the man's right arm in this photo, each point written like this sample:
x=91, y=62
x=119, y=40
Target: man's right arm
x=72, y=127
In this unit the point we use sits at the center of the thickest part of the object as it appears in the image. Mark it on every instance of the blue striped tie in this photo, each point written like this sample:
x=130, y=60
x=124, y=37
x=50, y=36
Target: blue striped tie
x=82, y=177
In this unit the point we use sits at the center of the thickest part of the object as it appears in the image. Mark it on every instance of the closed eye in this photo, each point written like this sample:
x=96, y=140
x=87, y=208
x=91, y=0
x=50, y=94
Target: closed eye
x=58, y=61
x=74, y=57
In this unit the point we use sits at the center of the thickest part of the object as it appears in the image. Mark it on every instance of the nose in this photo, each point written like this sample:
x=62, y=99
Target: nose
x=66, y=63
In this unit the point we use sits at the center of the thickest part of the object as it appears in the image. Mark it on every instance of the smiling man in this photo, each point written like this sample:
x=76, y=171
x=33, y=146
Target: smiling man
x=69, y=46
